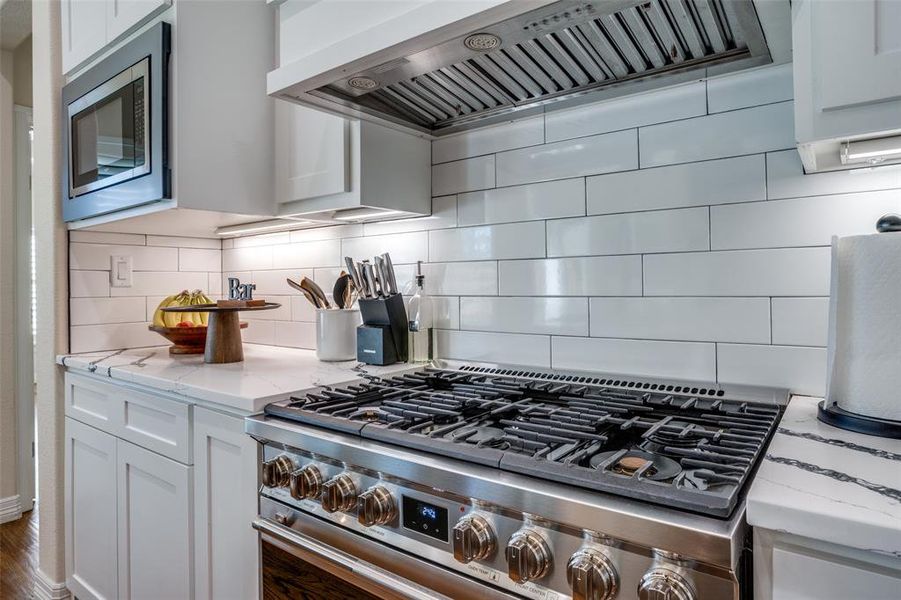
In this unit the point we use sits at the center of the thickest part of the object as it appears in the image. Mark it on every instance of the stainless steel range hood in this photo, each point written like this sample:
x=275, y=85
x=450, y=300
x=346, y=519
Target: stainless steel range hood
x=560, y=54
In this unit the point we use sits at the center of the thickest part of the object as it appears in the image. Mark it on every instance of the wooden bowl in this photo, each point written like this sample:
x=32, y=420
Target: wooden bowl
x=185, y=340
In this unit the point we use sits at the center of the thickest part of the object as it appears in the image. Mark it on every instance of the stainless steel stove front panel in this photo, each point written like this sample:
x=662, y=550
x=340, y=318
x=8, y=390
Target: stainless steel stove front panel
x=631, y=561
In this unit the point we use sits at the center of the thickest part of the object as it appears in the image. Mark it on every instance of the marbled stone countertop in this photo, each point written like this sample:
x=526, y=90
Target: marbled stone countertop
x=267, y=374
x=829, y=484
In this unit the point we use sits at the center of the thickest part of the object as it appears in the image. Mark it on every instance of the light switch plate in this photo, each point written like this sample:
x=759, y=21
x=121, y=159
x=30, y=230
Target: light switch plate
x=120, y=271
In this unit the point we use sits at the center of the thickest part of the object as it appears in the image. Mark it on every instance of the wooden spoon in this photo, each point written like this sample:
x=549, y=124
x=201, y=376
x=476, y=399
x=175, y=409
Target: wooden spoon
x=303, y=291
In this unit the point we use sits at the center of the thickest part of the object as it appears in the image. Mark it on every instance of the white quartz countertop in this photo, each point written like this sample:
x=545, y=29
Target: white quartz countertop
x=829, y=484
x=267, y=374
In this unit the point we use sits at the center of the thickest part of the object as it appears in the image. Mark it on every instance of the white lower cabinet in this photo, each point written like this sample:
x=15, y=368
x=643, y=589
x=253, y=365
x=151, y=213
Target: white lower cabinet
x=163, y=521
x=90, y=512
x=155, y=527
x=225, y=503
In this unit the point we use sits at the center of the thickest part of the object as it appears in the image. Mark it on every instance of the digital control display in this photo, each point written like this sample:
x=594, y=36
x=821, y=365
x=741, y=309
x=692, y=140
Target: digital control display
x=425, y=518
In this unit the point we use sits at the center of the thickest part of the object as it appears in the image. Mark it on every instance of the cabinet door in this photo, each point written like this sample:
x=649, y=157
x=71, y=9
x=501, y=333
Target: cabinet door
x=90, y=509
x=800, y=576
x=155, y=525
x=122, y=15
x=858, y=52
x=83, y=30
x=311, y=153
x=225, y=504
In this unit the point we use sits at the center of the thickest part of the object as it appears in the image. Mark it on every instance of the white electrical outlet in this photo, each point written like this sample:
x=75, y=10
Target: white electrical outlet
x=120, y=271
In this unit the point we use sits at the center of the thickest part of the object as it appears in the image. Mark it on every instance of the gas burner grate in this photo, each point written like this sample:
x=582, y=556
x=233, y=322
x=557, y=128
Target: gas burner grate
x=673, y=445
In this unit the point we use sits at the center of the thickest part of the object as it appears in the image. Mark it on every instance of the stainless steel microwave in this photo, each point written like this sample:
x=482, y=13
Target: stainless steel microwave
x=115, y=132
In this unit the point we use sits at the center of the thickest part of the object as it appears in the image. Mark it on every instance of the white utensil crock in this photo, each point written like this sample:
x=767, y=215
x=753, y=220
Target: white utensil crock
x=336, y=333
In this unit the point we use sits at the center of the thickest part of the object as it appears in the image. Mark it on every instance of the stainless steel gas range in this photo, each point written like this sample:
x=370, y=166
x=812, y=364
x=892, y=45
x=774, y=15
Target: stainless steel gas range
x=483, y=481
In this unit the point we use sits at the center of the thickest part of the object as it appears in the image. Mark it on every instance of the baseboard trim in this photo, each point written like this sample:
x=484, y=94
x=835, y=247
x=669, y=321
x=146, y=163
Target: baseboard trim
x=10, y=509
x=47, y=589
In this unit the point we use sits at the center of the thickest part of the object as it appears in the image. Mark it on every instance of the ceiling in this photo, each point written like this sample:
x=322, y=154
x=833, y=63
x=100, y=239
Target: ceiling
x=15, y=23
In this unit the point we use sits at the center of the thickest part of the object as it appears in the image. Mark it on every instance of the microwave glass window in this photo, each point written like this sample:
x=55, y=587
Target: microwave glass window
x=108, y=136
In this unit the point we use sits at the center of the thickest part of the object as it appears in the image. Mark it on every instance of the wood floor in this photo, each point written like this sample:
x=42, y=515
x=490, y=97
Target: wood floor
x=18, y=557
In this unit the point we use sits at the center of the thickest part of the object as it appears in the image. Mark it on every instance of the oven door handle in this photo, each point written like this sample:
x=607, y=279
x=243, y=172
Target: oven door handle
x=303, y=547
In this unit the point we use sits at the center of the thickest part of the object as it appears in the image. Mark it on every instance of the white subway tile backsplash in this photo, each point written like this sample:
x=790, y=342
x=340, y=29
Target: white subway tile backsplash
x=507, y=348
x=798, y=221
x=584, y=276
x=100, y=237
x=247, y=258
x=403, y=247
x=802, y=370
x=296, y=335
x=489, y=242
x=516, y=134
x=199, y=259
x=758, y=86
x=777, y=272
x=800, y=321
x=694, y=319
x=724, y=181
x=734, y=133
x=87, y=284
x=302, y=310
x=656, y=231
x=214, y=288
x=463, y=176
x=668, y=104
x=683, y=360
x=553, y=316
x=326, y=253
x=460, y=278
x=112, y=336
x=260, y=332
x=263, y=239
x=444, y=215
x=96, y=257
x=97, y=311
x=150, y=283
x=275, y=282
x=786, y=178
x=445, y=312
x=184, y=242
x=549, y=200
x=572, y=158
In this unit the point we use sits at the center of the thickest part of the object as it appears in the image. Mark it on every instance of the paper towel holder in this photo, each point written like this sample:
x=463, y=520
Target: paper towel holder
x=833, y=414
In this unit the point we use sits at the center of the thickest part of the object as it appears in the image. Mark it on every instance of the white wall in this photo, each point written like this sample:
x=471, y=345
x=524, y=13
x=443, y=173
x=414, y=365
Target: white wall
x=671, y=233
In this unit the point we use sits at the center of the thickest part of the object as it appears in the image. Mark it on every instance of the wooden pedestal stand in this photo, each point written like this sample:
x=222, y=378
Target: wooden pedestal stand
x=223, y=338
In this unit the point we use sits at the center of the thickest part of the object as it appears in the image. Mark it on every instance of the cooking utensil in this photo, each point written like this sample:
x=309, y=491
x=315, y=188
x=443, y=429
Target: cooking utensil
x=392, y=276
x=303, y=291
x=311, y=286
x=382, y=274
x=339, y=292
x=369, y=280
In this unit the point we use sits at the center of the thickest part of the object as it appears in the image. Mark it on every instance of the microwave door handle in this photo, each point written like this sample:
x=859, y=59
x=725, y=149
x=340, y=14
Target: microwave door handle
x=300, y=544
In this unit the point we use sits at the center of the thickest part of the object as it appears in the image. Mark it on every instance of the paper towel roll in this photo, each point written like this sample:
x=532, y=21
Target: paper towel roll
x=864, y=353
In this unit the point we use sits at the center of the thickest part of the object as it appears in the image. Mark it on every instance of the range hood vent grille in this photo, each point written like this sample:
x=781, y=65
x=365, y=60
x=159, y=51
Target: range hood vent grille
x=562, y=51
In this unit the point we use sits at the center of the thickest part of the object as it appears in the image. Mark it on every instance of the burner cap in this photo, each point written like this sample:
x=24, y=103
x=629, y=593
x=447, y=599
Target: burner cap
x=661, y=468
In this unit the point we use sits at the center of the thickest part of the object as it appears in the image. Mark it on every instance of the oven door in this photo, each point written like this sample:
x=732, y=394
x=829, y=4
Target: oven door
x=303, y=556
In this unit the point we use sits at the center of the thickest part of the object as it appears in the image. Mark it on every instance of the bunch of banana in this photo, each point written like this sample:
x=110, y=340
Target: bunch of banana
x=182, y=319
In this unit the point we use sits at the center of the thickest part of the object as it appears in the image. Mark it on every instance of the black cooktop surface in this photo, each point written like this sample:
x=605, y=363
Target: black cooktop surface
x=682, y=447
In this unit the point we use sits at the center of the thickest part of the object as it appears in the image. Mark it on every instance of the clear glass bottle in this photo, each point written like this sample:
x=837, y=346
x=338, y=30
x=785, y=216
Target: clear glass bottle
x=420, y=316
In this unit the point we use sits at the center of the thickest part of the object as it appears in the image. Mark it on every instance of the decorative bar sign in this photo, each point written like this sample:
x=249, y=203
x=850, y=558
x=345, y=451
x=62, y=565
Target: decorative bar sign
x=240, y=291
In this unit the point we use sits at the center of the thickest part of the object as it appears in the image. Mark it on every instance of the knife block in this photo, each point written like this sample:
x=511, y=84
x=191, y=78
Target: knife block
x=382, y=338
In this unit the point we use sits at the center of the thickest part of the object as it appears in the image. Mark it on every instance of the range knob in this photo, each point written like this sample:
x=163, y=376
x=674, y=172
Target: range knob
x=277, y=471
x=664, y=584
x=376, y=506
x=591, y=575
x=339, y=494
x=528, y=556
x=306, y=483
x=473, y=539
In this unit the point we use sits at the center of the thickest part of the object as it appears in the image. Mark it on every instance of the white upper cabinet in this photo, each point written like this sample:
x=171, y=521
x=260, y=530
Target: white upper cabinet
x=847, y=56
x=83, y=30
x=122, y=15
x=311, y=153
x=89, y=25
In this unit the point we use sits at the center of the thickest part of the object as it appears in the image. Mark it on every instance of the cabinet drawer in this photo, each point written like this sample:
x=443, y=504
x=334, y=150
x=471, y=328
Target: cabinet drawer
x=147, y=420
